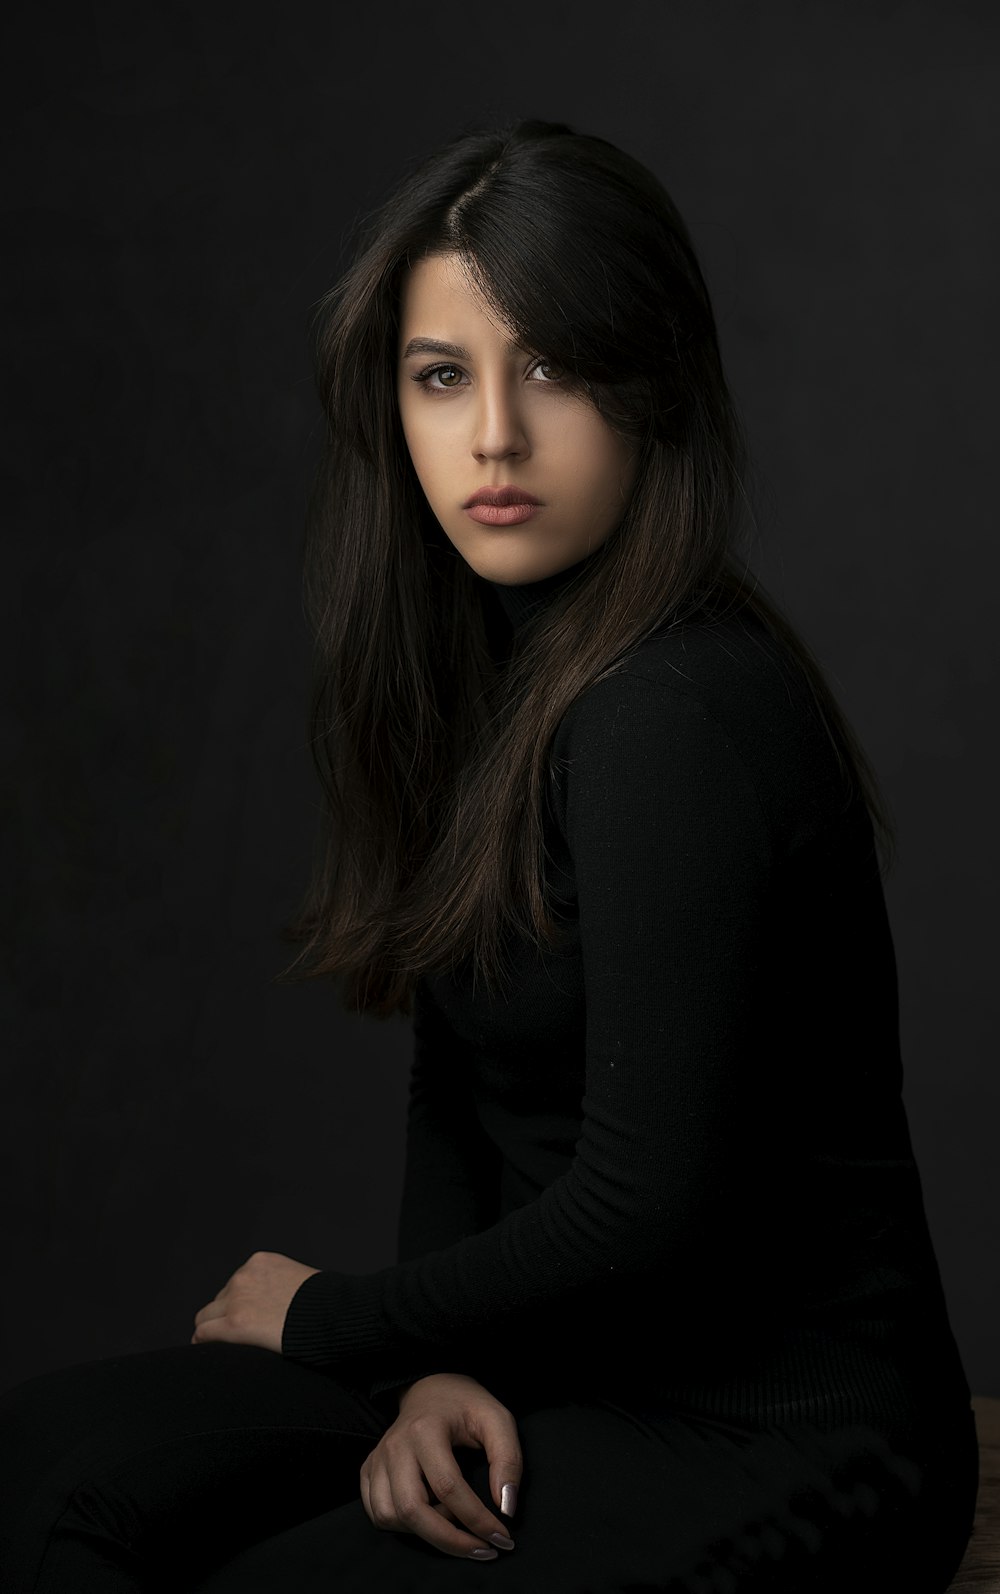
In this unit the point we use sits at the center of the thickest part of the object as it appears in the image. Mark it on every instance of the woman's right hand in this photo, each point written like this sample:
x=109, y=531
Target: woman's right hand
x=412, y=1483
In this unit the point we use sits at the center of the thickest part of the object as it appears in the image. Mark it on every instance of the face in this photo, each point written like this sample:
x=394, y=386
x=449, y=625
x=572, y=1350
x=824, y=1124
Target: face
x=478, y=412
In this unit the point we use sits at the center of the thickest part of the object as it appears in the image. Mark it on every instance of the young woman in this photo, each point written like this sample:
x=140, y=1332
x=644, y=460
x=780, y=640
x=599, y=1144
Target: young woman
x=666, y=1313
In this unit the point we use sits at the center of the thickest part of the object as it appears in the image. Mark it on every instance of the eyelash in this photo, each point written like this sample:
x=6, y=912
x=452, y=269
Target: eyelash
x=447, y=365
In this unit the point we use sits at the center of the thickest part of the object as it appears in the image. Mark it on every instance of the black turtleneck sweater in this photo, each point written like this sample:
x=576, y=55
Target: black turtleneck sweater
x=673, y=1163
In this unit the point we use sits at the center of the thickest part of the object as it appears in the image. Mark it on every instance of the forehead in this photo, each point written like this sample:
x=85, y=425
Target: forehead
x=439, y=298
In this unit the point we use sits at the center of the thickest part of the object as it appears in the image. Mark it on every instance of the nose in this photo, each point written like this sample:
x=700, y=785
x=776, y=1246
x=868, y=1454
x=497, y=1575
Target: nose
x=499, y=428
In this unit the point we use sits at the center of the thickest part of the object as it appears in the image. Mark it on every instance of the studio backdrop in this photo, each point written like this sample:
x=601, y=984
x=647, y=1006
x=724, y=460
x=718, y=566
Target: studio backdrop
x=181, y=186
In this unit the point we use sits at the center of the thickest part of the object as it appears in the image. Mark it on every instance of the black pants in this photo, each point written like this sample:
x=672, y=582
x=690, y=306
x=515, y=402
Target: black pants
x=225, y=1469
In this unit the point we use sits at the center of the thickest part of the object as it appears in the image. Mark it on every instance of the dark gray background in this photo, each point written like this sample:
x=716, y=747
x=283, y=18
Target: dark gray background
x=180, y=182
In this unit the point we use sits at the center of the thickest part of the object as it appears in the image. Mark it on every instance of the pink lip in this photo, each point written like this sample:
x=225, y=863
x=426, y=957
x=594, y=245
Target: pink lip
x=500, y=495
x=502, y=514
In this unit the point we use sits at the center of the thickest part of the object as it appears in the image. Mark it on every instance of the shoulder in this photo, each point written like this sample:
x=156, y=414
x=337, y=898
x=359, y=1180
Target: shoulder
x=722, y=708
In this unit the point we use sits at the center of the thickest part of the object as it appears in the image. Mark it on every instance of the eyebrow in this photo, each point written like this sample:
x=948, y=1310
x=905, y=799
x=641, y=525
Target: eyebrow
x=454, y=350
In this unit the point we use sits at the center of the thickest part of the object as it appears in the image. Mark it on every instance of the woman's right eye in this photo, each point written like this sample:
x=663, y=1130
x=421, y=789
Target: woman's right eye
x=435, y=370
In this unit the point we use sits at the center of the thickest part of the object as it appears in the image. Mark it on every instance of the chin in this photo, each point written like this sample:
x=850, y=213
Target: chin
x=511, y=566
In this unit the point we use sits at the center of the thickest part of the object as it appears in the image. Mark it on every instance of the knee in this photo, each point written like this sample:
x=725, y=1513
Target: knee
x=53, y=1466
x=34, y=1421
x=60, y=1423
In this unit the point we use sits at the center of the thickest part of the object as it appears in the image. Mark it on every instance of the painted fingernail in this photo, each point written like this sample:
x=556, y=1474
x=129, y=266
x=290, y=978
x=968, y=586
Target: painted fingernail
x=482, y=1555
x=508, y=1499
x=502, y=1539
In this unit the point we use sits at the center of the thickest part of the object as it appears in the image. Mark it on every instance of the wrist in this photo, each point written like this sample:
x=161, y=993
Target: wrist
x=441, y=1379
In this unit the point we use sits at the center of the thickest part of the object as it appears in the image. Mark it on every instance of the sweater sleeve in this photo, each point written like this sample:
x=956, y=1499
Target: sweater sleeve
x=451, y=1179
x=672, y=859
x=452, y=1176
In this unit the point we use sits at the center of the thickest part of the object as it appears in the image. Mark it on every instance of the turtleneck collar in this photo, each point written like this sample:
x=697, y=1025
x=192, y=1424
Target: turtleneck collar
x=523, y=602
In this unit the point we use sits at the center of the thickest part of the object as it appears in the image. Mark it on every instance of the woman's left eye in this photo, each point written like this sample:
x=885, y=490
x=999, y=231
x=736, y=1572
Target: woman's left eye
x=547, y=365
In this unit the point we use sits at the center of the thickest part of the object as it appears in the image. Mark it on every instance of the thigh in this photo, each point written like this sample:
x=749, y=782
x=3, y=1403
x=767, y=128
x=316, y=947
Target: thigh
x=610, y=1504
x=135, y=1459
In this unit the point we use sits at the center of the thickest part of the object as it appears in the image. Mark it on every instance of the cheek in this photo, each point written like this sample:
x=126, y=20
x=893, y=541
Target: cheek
x=407, y=426
x=426, y=439
x=588, y=443
x=427, y=465
x=606, y=466
x=420, y=453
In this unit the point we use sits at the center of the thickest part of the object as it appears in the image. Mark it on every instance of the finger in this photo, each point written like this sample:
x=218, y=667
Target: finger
x=213, y=1328
x=496, y=1430
x=381, y=1505
x=415, y=1514
x=213, y=1309
x=457, y=1496
x=365, y=1486
x=449, y=1516
x=443, y=1511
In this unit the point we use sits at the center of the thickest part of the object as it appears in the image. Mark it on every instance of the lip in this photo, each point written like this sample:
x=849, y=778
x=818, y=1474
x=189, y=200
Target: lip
x=500, y=495
x=513, y=514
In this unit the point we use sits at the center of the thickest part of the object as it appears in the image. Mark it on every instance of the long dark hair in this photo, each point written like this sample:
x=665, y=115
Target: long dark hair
x=433, y=761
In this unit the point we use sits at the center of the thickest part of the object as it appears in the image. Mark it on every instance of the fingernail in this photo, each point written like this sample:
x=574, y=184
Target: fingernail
x=504, y=1542
x=482, y=1555
x=508, y=1499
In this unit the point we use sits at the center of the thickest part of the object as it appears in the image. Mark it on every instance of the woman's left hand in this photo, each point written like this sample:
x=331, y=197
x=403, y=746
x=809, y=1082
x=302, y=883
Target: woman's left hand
x=250, y=1307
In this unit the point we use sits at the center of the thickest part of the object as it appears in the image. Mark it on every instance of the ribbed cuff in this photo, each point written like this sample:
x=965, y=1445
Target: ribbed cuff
x=385, y=1386
x=334, y=1318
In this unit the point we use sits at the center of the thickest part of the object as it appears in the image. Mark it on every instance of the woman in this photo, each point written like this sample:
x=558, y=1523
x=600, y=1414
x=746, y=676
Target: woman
x=666, y=1313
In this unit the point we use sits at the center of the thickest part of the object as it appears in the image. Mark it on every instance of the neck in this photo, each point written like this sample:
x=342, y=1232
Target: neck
x=522, y=603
